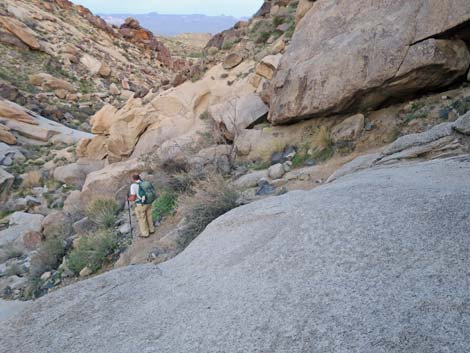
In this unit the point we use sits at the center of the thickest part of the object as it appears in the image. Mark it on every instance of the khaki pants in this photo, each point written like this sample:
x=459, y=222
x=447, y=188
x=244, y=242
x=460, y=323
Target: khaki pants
x=144, y=217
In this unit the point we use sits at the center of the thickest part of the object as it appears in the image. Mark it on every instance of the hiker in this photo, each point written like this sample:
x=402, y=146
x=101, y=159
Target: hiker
x=143, y=193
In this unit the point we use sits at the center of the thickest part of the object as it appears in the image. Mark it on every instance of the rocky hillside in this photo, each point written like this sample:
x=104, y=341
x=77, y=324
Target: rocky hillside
x=64, y=63
x=372, y=262
x=174, y=25
x=300, y=95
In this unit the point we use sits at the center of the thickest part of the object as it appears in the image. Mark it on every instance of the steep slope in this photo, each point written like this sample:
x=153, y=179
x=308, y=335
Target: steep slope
x=63, y=62
x=376, y=261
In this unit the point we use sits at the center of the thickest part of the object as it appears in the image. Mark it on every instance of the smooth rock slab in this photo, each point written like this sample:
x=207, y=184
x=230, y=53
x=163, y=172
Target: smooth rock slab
x=374, y=262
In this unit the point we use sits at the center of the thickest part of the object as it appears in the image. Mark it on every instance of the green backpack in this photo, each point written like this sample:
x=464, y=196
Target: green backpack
x=146, y=189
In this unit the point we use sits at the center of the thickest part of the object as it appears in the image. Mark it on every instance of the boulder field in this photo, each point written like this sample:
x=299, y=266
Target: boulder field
x=376, y=261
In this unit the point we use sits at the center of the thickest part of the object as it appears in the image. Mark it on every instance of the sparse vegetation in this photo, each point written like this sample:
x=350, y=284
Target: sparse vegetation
x=48, y=257
x=92, y=251
x=278, y=20
x=86, y=86
x=210, y=199
x=204, y=115
x=416, y=115
x=103, y=212
x=5, y=213
x=300, y=157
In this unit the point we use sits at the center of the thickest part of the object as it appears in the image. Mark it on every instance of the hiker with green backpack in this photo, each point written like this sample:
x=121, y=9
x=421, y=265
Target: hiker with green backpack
x=143, y=194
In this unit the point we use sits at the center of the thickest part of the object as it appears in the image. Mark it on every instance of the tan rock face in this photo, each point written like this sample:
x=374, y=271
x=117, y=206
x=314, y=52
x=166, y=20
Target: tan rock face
x=93, y=148
x=15, y=27
x=232, y=60
x=48, y=81
x=268, y=66
x=370, y=55
x=103, y=119
x=6, y=136
x=9, y=111
x=302, y=9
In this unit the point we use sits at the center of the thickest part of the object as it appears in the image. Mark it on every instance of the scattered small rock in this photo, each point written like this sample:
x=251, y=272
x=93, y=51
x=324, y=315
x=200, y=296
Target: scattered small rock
x=85, y=272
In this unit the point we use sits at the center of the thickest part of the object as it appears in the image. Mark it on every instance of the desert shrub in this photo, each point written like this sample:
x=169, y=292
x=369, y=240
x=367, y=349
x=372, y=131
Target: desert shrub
x=324, y=154
x=5, y=213
x=278, y=20
x=263, y=37
x=416, y=115
x=210, y=199
x=92, y=251
x=164, y=205
x=204, y=115
x=322, y=138
x=181, y=182
x=322, y=144
x=48, y=256
x=300, y=157
x=103, y=212
x=86, y=86
x=228, y=45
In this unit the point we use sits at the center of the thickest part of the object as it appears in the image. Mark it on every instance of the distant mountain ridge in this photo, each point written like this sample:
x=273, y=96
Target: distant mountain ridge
x=171, y=25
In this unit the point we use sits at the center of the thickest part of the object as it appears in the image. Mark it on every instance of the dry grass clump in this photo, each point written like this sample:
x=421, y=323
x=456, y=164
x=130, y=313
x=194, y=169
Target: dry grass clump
x=210, y=199
x=322, y=139
x=103, y=212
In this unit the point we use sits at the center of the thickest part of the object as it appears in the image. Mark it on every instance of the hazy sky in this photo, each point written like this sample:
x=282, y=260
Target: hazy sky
x=237, y=8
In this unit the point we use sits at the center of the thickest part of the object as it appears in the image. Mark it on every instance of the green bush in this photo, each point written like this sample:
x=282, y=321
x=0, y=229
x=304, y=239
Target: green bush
x=103, y=212
x=164, y=205
x=211, y=198
x=278, y=20
x=228, y=45
x=48, y=257
x=300, y=157
x=92, y=251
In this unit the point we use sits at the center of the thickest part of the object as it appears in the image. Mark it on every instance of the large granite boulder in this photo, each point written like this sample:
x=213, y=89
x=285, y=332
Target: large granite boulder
x=6, y=136
x=11, y=111
x=22, y=32
x=103, y=119
x=76, y=173
x=22, y=227
x=374, y=262
x=238, y=113
x=353, y=55
x=111, y=182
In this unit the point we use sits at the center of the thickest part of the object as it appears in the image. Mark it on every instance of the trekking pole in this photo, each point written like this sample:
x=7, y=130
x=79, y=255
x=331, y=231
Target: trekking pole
x=130, y=218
